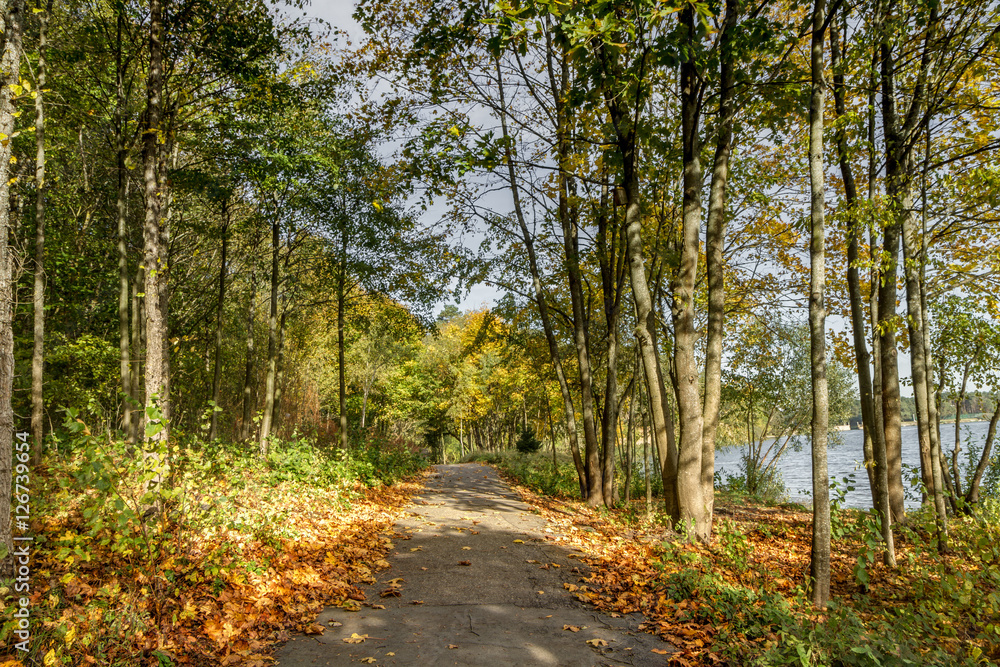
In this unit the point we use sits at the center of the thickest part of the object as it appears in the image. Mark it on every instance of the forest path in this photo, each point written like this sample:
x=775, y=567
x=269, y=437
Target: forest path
x=479, y=582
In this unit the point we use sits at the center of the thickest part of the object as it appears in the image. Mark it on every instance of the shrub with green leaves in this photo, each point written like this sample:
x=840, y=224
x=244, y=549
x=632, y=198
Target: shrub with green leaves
x=527, y=443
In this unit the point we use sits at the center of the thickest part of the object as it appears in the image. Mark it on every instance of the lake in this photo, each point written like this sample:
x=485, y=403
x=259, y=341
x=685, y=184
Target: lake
x=846, y=458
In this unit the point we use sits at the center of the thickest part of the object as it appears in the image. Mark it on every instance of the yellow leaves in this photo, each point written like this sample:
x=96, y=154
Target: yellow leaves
x=368, y=660
x=659, y=651
x=518, y=541
x=596, y=641
x=572, y=628
x=355, y=638
x=50, y=658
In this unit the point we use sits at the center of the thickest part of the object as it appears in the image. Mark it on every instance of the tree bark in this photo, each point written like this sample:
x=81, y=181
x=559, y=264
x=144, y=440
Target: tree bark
x=690, y=501
x=38, y=295
x=272, y=342
x=341, y=357
x=153, y=251
x=855, y=230
x=933, y=421
x=881, y=485
x=972, y=494
x=569, y=410
x=248, y=393
x=820, y=562
x=895, y=190
x=213, y=430
x=138, y=339
x=11, y=32
x=124, y=280
x=715, y=238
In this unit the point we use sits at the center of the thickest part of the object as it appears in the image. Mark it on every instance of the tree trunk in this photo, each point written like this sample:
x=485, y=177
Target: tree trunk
x=820, y=563
x=124, y=351
x=213, y=431
x=248, y=383
x=12, y=15
x=272, y=342
x=153, y=251
x=855, y=230
x=881, y=486
x=611, y=261
x=690, y=500
x=959, y=404
x=933, y=421
x=341, y=369
x=896, y=188
x=38, y=348
x=543, y=309
x=972, y=494
x=138, y=340
x=715, y=238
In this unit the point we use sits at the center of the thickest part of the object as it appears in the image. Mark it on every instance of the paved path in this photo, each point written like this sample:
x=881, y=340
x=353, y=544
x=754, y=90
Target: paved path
x=477, y=583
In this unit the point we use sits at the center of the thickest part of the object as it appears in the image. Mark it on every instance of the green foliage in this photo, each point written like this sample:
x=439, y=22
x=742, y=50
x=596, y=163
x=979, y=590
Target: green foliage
x=527, y=443
x=535, y=471
x=83, y=375
x=762, y=484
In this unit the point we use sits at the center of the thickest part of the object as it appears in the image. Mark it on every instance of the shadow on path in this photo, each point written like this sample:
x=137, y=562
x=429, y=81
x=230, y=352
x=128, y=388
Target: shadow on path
x=474, y=580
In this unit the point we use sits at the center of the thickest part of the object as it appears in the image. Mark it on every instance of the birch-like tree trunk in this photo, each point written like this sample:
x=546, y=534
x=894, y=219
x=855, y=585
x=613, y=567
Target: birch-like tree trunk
x=820, y=562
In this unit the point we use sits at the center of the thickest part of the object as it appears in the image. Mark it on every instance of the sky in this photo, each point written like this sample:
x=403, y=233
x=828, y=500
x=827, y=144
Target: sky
x=338, y=13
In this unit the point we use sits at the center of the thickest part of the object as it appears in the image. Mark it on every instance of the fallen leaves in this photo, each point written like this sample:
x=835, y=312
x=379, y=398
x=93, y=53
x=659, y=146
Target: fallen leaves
x=355, y=638
x=220, y=593
x=465, y=562
x=571, y=628
x=597, y=642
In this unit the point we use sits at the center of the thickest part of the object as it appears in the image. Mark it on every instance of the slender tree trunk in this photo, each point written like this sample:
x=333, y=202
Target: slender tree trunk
x=248, y=383
x=855, y=230
x=972, y=494
x=543, y=309
x=272, y=342
x=690, y=500
x=933, y=422
x=612, y=283
x=820, y=563
x=714, y=260
x=959, y=404
x=138, y=340
x=341, y=367
x=217, y=372
x=38, y=348
x=881, y=486
x=12, y=15
x=915, y=328
x=153, y=251
x=125, y=352
x=581, y=337
x=895, y=190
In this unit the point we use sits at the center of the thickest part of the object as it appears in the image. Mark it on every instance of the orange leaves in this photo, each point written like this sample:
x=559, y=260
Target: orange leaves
x=216, y=595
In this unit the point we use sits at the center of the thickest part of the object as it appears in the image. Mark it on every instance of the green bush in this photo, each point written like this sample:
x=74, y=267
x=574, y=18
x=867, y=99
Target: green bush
x=527, y=443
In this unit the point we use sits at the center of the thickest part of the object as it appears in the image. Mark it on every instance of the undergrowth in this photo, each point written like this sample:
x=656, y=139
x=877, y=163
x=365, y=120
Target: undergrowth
x=205, y=554
x=743, y=599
